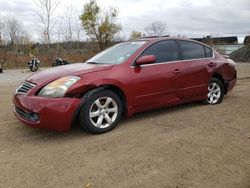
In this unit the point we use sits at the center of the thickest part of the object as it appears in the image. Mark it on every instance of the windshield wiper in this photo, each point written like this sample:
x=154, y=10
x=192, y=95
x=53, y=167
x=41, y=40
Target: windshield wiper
x=90, y=62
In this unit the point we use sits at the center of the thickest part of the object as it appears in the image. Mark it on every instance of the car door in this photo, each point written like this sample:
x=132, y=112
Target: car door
x=192, y=74
x=153, y=83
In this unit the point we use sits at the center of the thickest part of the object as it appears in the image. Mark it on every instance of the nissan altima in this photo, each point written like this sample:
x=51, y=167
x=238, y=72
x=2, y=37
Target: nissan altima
x=130, y=77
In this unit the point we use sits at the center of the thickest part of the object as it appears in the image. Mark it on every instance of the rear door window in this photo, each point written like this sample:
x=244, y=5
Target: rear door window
x=164, y=51
x=191, y=50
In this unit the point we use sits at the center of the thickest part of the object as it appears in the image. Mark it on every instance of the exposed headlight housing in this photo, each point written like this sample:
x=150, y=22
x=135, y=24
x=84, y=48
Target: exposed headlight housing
x=59, y=87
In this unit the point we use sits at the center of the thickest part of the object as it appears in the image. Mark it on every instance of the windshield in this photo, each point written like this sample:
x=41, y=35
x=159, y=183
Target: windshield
x=117, y=54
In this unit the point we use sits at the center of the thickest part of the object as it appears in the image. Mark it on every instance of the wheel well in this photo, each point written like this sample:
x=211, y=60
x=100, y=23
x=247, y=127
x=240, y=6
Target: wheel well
x=119, y=92
x=115, y=89
x=218, y=76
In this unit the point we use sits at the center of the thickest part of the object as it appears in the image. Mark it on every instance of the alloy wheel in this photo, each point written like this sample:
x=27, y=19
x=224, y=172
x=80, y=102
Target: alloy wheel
x=103, y=112
x=214, y=93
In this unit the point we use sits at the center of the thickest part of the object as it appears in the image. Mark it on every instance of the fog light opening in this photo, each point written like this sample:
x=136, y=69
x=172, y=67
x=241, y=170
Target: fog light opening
x=34, y=117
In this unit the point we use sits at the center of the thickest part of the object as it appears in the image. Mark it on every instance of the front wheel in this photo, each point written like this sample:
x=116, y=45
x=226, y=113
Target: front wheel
x=215, y=92
x=101, y=112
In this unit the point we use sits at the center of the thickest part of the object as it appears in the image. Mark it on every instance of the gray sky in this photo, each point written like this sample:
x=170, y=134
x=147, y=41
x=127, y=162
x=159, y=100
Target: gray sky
x=193, y=18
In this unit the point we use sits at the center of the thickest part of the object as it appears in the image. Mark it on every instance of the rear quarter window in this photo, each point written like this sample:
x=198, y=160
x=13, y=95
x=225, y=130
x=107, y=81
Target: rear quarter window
x=209, y=52
x=192, y=50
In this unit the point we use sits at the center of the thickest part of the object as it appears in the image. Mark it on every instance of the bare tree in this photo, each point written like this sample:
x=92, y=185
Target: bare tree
x=14, y=28
x=73, y=27
x=16, y=34
x=59, y=28
x=2, y=29
x=156, y=28
x=23, y=38
x=69, y=14
x=45, y=13
x=78, y=28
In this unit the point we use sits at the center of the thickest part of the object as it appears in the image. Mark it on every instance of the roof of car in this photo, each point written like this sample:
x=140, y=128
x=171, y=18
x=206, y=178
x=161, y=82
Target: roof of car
x=159, y=38
x=156, y=38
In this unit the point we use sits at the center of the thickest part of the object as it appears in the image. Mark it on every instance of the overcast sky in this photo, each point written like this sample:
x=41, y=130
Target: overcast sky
x=193, y=18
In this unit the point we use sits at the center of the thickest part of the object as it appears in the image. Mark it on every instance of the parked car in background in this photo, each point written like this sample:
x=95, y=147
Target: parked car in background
x=127, y=78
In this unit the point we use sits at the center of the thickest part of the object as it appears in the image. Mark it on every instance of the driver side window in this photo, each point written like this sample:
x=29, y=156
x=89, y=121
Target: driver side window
x=164, y=51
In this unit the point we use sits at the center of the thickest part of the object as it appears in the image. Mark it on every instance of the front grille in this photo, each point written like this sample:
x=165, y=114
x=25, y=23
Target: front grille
x=22, y=113
x=25, y=87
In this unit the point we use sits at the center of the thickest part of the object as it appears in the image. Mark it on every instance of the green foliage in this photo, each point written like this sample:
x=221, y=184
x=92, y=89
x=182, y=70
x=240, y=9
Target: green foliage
x=136, y=34
x=100, y=25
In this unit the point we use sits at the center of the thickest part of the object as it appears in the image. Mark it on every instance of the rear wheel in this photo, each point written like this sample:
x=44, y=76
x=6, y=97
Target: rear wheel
x=215, y=92
x=33, y=69
x=101, y=112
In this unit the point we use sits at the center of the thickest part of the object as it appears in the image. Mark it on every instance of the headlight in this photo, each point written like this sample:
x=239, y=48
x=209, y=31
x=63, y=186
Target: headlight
x=59, y=87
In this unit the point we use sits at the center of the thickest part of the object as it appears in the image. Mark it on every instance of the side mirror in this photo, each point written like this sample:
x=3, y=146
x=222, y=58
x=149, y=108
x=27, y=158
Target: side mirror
x=147, y=59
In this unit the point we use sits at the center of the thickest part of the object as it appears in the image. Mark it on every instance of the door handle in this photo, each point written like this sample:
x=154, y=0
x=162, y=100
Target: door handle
x=177, y=71
x=211, y=64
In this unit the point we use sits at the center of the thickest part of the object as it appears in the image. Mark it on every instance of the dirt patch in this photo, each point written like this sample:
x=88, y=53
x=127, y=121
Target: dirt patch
x=190, y=145
x=242, y=54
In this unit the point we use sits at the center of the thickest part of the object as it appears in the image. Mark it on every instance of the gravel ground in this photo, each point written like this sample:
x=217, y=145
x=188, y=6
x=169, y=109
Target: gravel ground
x=14, y=76
x=190, y=145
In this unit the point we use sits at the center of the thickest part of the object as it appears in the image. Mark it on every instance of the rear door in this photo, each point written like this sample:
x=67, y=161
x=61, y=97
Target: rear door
x=192, y=74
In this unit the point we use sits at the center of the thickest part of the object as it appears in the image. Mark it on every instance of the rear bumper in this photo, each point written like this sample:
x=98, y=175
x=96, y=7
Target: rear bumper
x=46, y=113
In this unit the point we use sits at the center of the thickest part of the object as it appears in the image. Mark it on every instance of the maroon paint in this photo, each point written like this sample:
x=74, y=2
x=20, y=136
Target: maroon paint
x=144, y=87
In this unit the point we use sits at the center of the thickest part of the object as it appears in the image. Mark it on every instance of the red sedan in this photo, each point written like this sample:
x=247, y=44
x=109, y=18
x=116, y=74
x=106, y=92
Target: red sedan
x=129, y=77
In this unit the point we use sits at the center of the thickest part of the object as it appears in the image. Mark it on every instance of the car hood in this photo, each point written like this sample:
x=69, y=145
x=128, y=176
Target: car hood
x=66, y=70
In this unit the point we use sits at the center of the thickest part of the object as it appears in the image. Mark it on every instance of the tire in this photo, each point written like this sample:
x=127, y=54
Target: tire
x=33, y=69
x=106, y=110
x=216, y=92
